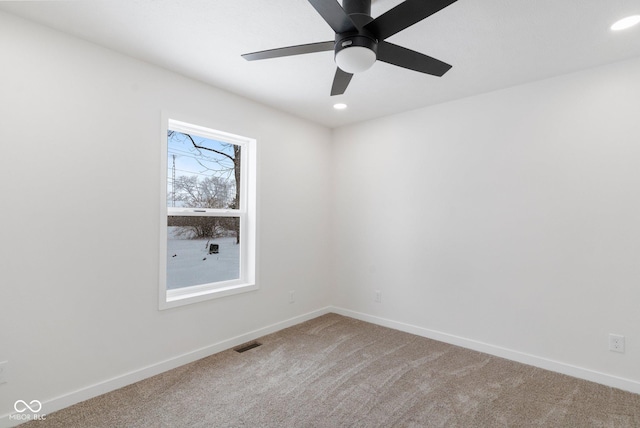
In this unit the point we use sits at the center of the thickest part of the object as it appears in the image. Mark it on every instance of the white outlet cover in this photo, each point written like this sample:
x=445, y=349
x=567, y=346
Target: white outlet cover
x=616, y=343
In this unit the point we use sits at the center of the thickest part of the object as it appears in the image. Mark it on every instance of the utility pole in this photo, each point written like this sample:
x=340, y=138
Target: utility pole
x=173, y=182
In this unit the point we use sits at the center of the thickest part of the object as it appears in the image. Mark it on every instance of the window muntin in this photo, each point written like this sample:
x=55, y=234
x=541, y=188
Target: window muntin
x=208, y=232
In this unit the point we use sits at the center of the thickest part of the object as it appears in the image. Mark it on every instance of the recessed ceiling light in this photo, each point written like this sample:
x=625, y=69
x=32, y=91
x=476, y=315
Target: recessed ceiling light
x=340, y=106
x=625, y=23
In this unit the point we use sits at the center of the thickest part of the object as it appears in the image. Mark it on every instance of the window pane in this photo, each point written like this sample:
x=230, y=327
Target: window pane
x=202, y=250
x=202, y=172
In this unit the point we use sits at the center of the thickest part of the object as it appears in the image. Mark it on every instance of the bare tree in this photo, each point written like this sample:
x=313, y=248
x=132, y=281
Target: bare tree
x=196, y=227
x=208, y=192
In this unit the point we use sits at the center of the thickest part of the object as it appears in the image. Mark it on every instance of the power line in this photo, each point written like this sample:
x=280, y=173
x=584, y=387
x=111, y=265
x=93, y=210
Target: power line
x=214, y=173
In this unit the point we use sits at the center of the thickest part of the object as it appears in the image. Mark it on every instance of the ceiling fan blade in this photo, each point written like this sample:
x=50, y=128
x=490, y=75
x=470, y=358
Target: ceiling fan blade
x=340, y=82
x=290, y=50
x=334, y=14
x=404, y=15
x=406, y=58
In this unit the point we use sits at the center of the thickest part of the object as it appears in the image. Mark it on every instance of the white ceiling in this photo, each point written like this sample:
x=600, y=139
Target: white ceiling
x=491, y=44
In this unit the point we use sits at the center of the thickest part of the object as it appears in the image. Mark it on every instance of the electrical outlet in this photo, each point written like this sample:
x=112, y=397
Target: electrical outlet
x=292, y=296
x=378, y=296
x=4, y=366
x=616, y=342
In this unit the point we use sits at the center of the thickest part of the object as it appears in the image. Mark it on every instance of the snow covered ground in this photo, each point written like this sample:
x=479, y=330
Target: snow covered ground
x=189, y=262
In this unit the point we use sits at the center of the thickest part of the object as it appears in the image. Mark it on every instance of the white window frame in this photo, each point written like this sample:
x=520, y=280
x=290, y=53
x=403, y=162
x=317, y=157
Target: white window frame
x=246, y=212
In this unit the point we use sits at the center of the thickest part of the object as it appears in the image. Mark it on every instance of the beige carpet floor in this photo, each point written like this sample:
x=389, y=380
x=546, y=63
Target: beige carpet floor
x=335, y=371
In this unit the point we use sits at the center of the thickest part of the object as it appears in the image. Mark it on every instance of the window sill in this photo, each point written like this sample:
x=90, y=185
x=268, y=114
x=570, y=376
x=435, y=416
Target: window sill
x=189, y=295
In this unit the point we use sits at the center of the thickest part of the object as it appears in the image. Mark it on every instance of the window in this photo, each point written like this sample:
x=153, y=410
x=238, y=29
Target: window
x=208, y=220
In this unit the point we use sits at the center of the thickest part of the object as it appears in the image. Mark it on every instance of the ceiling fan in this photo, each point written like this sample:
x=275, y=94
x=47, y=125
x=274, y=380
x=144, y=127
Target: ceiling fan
x=360, y=39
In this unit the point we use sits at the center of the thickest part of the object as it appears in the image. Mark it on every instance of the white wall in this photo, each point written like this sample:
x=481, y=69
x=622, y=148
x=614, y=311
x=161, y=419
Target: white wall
x=509, y=219
x=79, y=167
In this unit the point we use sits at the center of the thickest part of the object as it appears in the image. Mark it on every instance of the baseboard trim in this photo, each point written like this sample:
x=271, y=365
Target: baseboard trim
x=71, y=398
x=521, y=357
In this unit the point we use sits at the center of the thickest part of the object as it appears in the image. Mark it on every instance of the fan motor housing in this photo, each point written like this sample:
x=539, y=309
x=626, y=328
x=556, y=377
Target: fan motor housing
x=349, y=40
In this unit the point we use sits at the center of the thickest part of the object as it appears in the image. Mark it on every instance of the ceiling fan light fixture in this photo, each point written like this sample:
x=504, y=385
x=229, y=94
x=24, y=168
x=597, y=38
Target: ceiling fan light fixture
x=360, y=39
x=355, y=59
x=625, y=23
